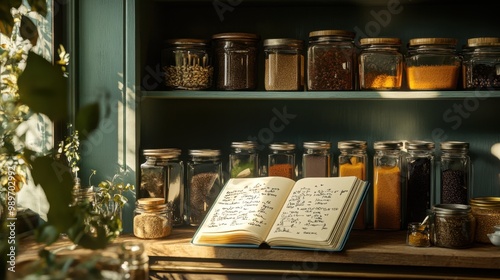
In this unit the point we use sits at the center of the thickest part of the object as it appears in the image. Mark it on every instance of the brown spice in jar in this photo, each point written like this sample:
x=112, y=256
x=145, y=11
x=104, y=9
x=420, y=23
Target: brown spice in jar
x=283, y=72
x=432, y=77
x=486, y=220
x=151, y=226
x=283, y=170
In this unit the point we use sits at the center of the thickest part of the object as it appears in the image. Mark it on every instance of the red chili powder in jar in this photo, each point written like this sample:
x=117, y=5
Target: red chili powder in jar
x=282, y=170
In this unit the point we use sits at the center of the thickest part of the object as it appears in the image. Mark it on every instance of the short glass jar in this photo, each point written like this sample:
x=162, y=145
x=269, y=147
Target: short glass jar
x=134, y=261
x=452, y=226
x=481, y=63
x=455, y=169
x=432, y=64
x=187, y=64
x=152, y=218
x=244, y=160
x=236, y=60
x=284, y=64
x=331, y=57
x=380, y=64
x=486, y=210
x=281, y=160
x=418, y=235
x=317, y=159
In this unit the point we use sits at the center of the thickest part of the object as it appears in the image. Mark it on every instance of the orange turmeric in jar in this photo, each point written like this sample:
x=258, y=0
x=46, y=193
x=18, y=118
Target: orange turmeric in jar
x=387, y=197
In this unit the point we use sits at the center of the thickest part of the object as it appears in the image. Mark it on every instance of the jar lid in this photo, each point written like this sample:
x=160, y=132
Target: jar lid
x=352, y=144
x=317, y=145
x=380, y=41
x=483, y=41
x=486, y=201
x=388, y=145
x=150, y=201
x=162, y=153
x=186, y=41
x=204, y=153
x=432, y=41
x=419, y=145
x=244, y=145
x=296, y=43
x=334, y=32
x=282, y=146
x=237, y=36
x=454, y=145
x=451, y=209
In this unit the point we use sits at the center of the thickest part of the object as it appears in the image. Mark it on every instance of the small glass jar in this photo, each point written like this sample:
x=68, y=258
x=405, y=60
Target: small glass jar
x=284, y=64
x=380, y=64
x=452, y=226
x=204, y=182
x=432, y=64
x=152, y=218
x=418, y=235
x=486, y=210
x=187, y=64
x=455, y=169
x=317, y=159
x=331, y=60
x=236, y=60
x=481, y=63
x=134, y=261
x=420, y=176
x=281, y=160
x=244, y=160
x=387, y=196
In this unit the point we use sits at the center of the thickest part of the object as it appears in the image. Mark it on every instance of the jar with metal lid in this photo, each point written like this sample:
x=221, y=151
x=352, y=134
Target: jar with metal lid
x=486, y=210
x=420, y=176
x=387, y=190
x=353, y=161
x=331, y=57
x=452, y=226
x=187, y=64
x=284, y=64
x=432, y=64
x=281, y=160
x=152, y=218
x=380, y=64
x=134, y=261
x=481, y=63
x=236, y=60
x=244, y=160
x=455, y=169
x=317, y=159
x=204, y=182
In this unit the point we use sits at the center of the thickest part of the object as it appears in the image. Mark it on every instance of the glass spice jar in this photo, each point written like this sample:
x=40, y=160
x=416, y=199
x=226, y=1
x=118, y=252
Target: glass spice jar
x=481, y=63
x=380, y=64
x=204, y=182
x=134, y=261
x=284, y=64
x=418, y=235
x=281, y=160
x=331, y=57
x=152, y=218
x=236, y=60
x=187, y=64
x=486, y=210
x=244, y=160
x=452, y=226
x=316, y=159
x=455, y=169
x=387, y=195
x=432, y=64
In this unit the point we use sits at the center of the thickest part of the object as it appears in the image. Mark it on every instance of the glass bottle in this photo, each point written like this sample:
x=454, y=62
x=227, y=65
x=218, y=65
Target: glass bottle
x=284, y=64
x=455, y=169
x=486, y=210
x=204, y=182
x=244, y=160
x=481, y=60
x=432, y=64
x=187, y=64
x=152, y=218
x=387, y=214
x=317, y=159
x=420, y=176
x=380, y=64
x=134, y=261
x=281, y=160
x=353, y=161
x=452, y=226
x=331, y=57
x=236, y=60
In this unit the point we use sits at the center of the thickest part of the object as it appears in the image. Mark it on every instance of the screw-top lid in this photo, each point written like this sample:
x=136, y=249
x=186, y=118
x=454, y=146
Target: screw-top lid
x=282, y=146
x=486, y=201
x=483, y=41
x=162, y=153
x=432, y=41
x=186, y=41
x=334, y=32
x=204, y=153
x=236, y=36
x=388, y=145
x=380, y=41
x=352, y=144
x=317, y=145
x=419, y=145
x=454, y=145
x=451, y=209
x=244, y=145
x=284, y=42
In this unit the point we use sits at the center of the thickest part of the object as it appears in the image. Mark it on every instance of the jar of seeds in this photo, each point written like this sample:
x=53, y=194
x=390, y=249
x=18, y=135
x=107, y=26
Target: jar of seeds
x=244, y=160
x=317, y=159
x=281, y=160
x=486, y=210
x=236, y=60
x=204, y=182
x=152, y=218
x=187, y=64
x=452, y=225
x=481, y=63
x=455, y=172
x=284, y=64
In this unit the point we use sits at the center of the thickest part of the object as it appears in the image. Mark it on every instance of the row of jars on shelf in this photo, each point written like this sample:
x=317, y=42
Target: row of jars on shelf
x=331, y=62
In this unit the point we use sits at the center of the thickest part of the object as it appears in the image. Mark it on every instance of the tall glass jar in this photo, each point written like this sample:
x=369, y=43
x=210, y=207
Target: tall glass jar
x=244, y=160
x=204, y=182
x=284, y=64
x=187, y=64
x=455, y=169
x=317, y=159
x=486, y=210
x=331, y=60
x=380, y=64
x=420, y=176
x=353, y=161
x=281, y=160
x=481, y=60
x=387, y=214
x=236, y=60
x=432, y=64
x=452, y=226
x=152, y=218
